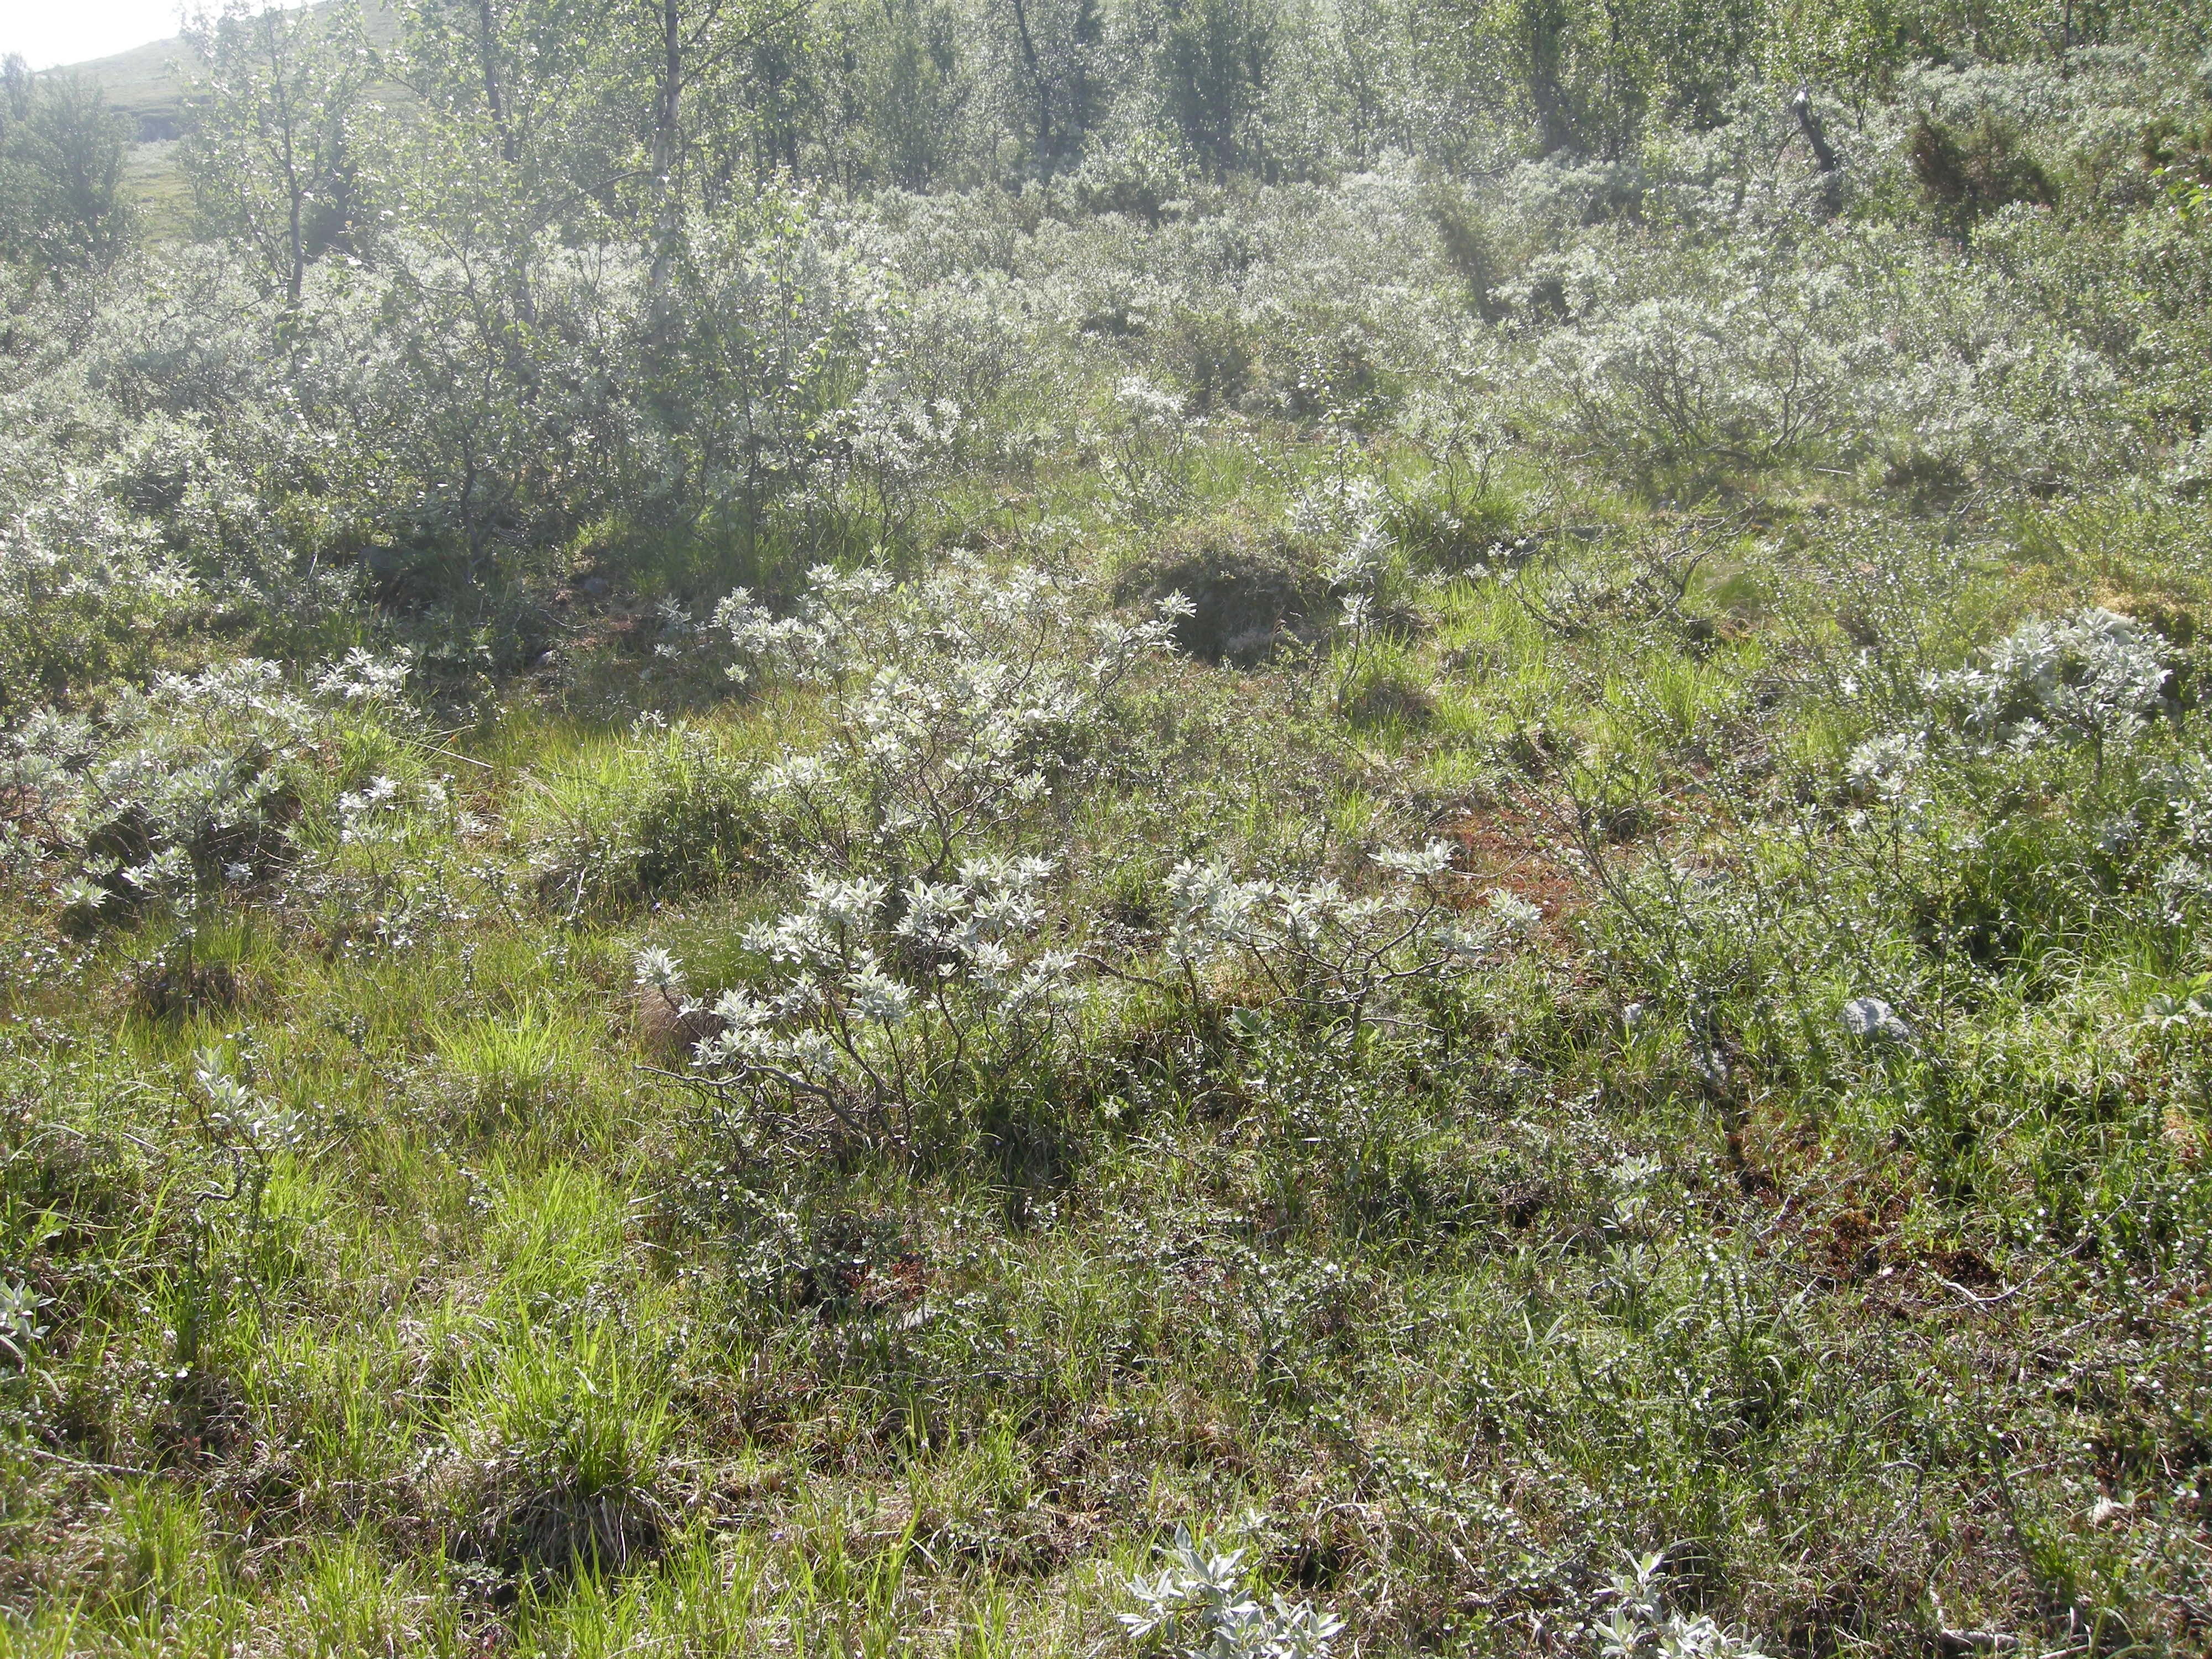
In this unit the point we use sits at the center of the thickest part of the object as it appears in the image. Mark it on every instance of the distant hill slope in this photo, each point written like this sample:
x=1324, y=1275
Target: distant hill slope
x=148, y=81
x=147, y=84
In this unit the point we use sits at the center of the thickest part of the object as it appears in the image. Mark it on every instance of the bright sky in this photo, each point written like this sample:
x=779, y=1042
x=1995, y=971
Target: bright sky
x=51, y=32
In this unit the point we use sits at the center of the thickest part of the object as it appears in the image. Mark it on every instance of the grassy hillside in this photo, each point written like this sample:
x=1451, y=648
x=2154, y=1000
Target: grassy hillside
x=147, y=84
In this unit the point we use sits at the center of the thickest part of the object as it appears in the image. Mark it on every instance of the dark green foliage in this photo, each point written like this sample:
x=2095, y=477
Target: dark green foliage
x=1215, y=57
x=62, y=204
x=1966, y=175
x=1250, y=594
x=1052, y=86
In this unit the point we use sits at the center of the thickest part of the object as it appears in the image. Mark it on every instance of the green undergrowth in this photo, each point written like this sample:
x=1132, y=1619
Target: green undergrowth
x=1382, y=914
x=477, y=1322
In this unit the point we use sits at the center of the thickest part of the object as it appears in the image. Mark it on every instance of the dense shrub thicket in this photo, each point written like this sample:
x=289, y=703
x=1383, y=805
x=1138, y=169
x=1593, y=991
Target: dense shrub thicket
x=1237, y=828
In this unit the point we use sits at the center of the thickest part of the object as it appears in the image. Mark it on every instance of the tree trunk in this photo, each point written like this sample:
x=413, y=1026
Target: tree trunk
x=667, y=154
x=1036, y=75
x=488, y=51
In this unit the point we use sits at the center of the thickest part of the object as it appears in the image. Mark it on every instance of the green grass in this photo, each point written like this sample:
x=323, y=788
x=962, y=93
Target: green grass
x=514, y=1345
x=468, y=1320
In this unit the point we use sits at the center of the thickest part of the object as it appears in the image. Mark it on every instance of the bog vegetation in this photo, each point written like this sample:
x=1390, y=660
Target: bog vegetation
x=1204, y=827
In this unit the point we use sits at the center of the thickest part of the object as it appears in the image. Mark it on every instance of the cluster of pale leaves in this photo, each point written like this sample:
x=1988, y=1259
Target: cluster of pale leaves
x=1316, y=943
x=950, y=704
x=1201, y=1603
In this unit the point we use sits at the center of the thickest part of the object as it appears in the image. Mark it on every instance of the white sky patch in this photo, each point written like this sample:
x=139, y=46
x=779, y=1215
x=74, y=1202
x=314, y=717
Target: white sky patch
x=52, y=32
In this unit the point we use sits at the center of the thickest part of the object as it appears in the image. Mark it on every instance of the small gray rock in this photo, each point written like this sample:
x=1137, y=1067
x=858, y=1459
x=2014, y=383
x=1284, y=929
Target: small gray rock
x=1876, y=1020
